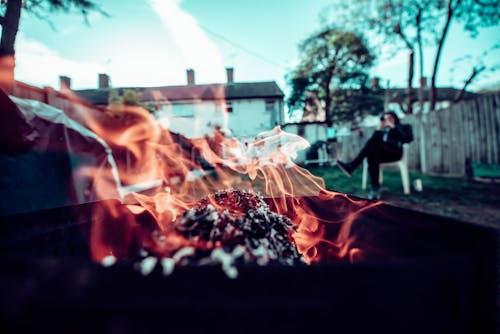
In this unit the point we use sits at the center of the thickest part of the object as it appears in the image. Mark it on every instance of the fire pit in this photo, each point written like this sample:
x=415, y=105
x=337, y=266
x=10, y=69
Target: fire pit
x=318, y=259
x=413, y=273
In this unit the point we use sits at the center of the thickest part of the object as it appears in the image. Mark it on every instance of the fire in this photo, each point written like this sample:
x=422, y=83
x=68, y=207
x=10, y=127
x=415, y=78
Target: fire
x=148, y=221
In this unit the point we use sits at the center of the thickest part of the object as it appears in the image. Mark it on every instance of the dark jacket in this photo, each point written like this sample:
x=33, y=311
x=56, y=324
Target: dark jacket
x=397, y=136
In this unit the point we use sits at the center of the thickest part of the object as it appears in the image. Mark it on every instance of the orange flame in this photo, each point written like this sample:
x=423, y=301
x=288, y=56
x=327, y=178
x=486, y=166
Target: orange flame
x=147, y=154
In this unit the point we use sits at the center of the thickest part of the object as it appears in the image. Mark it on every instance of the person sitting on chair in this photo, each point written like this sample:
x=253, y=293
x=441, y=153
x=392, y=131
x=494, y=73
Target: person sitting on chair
x=385, y=145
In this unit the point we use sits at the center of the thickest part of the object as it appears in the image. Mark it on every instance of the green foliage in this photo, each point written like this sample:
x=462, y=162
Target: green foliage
x=131, y=97
x=114, y=97
x=40, y=8
x=128, y=97
x=10, y=15
x=414, y=23
x=398, y=21
x=331, y=62
x=352, y=105
x=474, y=14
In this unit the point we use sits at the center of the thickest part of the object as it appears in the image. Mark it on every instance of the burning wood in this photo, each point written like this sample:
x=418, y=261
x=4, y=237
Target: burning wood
x=231, y=227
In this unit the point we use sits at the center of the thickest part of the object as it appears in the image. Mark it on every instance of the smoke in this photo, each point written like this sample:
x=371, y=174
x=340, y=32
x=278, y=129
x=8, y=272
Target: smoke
x=191, y=41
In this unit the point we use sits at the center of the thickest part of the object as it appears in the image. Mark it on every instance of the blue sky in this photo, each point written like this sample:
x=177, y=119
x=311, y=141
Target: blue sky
x=153, y=42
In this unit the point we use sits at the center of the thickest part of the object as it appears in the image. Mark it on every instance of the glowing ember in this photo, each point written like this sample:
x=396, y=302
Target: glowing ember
x=236, y=219
x=229, y=228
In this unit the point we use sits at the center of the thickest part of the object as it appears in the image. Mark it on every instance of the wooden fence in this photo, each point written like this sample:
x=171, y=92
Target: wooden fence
x=448, y=140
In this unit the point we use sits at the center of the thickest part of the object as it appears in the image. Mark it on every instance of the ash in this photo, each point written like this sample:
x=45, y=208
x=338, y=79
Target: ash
x=233, y=227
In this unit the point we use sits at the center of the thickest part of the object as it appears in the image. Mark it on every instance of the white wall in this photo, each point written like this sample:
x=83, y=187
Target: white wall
x=247, y=119
x=193, y=120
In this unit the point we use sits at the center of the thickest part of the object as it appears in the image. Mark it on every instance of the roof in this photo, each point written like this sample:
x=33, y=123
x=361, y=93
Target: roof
x=210, y=92
x=443, y=93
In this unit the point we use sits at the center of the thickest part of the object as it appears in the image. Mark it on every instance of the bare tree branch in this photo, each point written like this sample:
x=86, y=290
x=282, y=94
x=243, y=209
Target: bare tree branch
x=399, y=31
x=418, y=24
x=475, y=72
x=411, y=61
x=444, y=33
x=42, y=17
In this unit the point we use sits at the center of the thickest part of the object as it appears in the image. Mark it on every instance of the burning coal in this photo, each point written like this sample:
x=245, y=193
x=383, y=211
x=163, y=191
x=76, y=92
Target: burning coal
x=228, y=227
x=232, y=219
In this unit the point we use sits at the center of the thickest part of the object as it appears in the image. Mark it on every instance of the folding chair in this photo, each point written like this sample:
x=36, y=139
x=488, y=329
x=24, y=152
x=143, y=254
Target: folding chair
x=403, y=167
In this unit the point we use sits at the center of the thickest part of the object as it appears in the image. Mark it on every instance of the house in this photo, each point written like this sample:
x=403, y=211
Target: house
x=243, y=109
x=396, y=99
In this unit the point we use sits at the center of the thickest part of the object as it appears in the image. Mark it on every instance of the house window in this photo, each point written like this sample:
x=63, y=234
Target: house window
x=270, y=105
x=229, y=107
x=183, y=110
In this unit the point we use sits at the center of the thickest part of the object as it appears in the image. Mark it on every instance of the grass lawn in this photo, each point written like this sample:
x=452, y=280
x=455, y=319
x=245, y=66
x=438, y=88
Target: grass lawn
x=467, y=200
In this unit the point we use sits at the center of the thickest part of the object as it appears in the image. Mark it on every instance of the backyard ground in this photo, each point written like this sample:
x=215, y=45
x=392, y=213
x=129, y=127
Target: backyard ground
x=467, y=200
x=473, y=201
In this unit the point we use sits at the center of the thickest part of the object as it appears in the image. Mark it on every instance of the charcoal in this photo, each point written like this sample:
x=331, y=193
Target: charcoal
x=239, y=223
x=227, y=228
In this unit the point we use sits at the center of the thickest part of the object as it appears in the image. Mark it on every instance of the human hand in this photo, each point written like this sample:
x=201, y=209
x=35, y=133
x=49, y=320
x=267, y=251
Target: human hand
x=386, y=122
x=389, y=123
x=384, y=125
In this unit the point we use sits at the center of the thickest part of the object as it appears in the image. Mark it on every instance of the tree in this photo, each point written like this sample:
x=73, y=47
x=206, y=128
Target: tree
x=332, y=63
x=114, y=97
x=478, y=67
x=399, y=23
x=472, y=14
x=10, y=15
x=129, y=97
x=352, y=105
x=414, y=23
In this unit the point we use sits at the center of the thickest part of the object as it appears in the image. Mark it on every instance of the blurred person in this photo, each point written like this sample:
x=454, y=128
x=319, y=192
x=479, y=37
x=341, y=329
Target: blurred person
x=385, y=145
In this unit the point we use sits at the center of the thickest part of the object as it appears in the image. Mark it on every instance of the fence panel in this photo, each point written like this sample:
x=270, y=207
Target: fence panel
x=492, y=125
x=448, y=138
x=495, y=103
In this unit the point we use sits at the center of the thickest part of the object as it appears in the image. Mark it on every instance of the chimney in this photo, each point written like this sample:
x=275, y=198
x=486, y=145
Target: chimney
x=190, y=76
x=375, y=83
x=64, y=83
x=230, y=74
x=423, y=82
x=103, y=80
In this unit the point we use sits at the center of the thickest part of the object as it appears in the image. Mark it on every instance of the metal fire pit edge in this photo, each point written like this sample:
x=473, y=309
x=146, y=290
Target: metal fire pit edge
x=422, y=274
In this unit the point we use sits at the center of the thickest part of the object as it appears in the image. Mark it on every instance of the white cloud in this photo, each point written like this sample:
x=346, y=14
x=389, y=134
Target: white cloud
x=192, y=43
x=36, y=64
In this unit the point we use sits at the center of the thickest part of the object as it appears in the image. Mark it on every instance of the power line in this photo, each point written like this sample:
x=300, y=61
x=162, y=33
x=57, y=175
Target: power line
x=241, y=47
